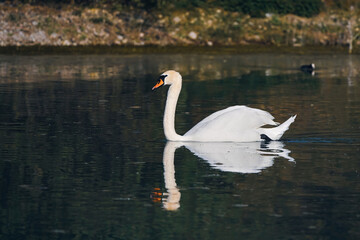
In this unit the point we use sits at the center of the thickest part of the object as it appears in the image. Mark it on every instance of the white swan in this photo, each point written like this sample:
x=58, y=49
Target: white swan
x=233, y=124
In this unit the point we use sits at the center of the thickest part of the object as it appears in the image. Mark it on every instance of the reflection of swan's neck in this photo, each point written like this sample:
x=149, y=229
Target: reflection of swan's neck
x=172, y=202
x=169, y=114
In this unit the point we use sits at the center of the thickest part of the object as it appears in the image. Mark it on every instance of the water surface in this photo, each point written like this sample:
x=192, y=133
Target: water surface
x=83, y=155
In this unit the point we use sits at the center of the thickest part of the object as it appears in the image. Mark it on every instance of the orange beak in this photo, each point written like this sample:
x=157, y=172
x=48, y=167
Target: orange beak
x=159, y=84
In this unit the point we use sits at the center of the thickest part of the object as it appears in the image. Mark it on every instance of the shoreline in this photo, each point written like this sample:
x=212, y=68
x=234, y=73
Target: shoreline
x=30, y=29
x=153, y=49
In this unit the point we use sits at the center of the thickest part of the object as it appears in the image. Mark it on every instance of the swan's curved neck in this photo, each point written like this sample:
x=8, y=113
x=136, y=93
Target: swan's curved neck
x=169, y=114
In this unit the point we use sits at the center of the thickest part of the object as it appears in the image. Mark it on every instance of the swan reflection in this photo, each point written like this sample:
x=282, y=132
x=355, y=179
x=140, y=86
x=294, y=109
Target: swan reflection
x=228, y=157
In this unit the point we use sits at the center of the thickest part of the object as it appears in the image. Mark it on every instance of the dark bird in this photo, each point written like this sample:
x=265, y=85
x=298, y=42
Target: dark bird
x=308, y=68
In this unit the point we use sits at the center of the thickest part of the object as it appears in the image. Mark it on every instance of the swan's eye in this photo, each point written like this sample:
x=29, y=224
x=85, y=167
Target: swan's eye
x=162, y=77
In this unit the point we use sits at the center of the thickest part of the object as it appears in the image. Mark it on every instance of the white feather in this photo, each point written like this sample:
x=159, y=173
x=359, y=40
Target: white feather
x=235, y=124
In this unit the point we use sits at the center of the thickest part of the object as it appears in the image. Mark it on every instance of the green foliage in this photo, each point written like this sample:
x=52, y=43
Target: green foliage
x=258, y=8
x=343, y=4
x=101, y=20
x=13, y=18
x=275, y=21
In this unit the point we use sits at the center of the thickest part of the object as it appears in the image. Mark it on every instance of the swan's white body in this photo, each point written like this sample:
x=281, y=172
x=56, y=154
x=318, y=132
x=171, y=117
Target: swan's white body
x=233, y=124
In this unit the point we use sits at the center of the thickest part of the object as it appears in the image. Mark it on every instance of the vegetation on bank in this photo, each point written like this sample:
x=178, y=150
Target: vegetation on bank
x=255, y=8
x=179, y=23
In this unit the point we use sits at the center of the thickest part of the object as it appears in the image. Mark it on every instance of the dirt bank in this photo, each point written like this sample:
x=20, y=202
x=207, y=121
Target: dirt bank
x=28, y=25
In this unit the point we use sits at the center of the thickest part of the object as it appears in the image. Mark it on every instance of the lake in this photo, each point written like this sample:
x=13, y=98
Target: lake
x=83, y=154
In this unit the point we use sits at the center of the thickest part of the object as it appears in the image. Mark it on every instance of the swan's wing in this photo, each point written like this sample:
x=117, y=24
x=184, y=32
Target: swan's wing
x=230, y=123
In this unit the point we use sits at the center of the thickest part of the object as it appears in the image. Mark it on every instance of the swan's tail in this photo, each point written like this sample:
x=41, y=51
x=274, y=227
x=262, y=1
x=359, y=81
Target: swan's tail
x=277, y=132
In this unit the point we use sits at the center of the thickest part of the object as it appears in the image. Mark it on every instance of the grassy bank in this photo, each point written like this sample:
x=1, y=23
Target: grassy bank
x=27, y=28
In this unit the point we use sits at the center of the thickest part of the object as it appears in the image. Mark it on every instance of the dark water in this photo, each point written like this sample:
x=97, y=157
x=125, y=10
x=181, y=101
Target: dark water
x=83, y=156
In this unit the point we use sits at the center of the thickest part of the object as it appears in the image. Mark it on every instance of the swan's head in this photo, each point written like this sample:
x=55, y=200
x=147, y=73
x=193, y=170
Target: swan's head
x=168, y=78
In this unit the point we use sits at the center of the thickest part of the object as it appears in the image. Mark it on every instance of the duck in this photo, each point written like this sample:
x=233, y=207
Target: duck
x=233, y=124
x=308, y=68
